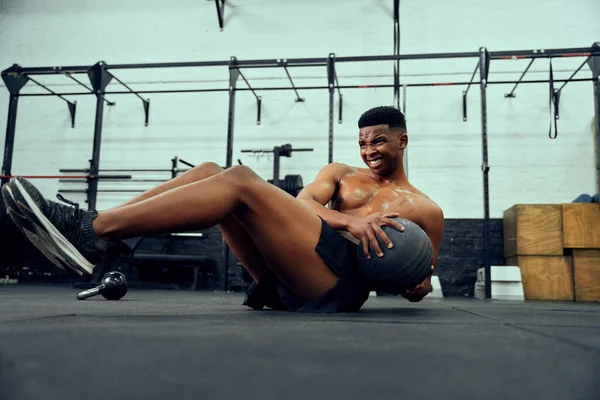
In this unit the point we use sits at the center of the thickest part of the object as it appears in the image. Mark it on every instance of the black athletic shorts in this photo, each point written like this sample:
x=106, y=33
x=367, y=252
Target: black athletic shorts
x=348, y=295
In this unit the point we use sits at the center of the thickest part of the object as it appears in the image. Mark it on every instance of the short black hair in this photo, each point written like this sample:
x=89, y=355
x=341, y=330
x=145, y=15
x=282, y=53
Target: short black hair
x=383, y=115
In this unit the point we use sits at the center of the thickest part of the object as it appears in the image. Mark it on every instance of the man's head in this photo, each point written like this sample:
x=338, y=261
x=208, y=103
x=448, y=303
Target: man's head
x=382, y=139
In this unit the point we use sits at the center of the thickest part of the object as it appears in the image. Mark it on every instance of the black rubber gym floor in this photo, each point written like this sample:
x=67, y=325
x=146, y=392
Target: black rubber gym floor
x=199, y=345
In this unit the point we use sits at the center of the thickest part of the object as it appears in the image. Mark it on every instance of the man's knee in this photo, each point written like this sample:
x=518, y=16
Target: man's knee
x=204, y=170
x=243, y=174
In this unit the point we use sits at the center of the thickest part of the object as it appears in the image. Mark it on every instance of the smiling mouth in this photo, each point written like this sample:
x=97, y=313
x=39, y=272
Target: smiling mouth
x=375, y=162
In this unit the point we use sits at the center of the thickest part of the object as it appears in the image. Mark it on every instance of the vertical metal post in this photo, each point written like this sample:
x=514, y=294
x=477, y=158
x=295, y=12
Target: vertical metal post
x=99, y=78
x=276, y=157
x=594, y=64
x=405, y=120
x=14, y=82
x=484, y=61
x=174, y=167
x=396, y=53
x=9, y=141
x=234, y=74
x=331, y=84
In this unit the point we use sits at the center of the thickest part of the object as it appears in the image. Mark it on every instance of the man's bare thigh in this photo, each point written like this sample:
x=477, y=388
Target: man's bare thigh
x=286, y=233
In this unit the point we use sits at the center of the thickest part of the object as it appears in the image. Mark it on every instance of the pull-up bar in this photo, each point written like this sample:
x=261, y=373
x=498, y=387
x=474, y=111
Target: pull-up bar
x=319, y=62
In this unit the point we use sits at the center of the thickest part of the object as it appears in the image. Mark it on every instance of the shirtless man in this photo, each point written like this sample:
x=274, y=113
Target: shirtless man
x=300, y=251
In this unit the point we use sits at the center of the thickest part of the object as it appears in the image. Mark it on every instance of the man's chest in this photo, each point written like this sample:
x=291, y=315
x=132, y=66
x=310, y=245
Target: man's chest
x=362, y=196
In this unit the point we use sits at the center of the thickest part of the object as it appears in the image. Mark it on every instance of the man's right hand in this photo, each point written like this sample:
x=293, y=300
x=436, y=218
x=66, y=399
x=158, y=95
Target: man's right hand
x=366, y=229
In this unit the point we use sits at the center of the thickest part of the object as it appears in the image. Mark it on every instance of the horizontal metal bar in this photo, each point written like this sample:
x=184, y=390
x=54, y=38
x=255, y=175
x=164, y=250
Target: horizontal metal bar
x=67, y=176
x=114, y=180
x=319, y=87
x=102, y=190
x=170, y=65
x=54, y=70
x=139, y=91
x=320, y=61
x=126, y=170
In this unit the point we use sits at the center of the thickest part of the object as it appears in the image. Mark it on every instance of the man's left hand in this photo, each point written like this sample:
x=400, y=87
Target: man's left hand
x=419, y=292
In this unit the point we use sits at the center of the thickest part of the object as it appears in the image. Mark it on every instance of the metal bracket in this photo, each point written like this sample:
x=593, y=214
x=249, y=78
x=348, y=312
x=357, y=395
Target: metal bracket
x=145, y=102
x=69, y=75
x=553, y=100
x=233, y=68
x=15, y=81
x=258, y=109
x=464, y=93
x=220, y=12
x=283, y=63
x=72, y=105
x=512, y=92
x=72, y=111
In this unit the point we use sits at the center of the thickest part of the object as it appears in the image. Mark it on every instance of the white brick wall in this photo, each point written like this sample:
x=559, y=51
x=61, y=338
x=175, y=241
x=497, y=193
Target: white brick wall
x=444, y=151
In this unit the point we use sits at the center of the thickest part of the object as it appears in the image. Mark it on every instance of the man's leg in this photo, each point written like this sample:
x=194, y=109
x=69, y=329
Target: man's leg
x=284, y=230
x=233, y=231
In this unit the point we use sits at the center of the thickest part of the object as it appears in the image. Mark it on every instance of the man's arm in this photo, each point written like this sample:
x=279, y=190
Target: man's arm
x=433, y=225
x=320, y=192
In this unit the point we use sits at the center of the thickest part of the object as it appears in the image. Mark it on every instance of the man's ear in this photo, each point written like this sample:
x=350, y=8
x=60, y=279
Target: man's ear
x=403, y=140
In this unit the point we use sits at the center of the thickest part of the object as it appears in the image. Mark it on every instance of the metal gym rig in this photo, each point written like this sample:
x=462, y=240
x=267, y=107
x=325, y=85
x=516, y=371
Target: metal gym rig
x=101, y=74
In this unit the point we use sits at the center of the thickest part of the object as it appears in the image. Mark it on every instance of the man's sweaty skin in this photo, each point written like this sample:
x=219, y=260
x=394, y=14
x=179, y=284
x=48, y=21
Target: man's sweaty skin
x=358, y=201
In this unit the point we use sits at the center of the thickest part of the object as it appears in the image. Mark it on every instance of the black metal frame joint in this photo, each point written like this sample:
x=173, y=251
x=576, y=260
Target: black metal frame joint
x=13, y=79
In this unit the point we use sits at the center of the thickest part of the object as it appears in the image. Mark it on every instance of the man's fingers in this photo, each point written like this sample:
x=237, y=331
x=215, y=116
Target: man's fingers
x=374, y=243
x=391, y=215
x=393, y=223
x=365, y=245
x=379, y=232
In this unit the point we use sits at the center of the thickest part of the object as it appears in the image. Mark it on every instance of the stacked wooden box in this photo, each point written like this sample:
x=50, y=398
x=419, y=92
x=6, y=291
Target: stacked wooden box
x=557, y=248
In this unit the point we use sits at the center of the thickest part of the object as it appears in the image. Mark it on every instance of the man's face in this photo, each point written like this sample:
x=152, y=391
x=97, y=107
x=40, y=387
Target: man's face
x=380, y=147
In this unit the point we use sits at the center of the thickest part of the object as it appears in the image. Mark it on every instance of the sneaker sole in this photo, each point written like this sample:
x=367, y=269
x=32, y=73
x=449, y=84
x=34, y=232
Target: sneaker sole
x=58, y=244
x=30, y=231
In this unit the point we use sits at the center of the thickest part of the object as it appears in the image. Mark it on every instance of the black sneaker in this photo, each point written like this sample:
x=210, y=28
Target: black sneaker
x=69, y=227
x=38, y=239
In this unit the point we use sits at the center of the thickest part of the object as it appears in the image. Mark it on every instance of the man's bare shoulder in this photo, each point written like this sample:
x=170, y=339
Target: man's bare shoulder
x=338, y=169
x=428, y=203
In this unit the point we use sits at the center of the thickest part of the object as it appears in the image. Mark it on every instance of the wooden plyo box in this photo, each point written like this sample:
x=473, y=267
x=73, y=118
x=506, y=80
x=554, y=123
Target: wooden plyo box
x=581, y=226
x=586, y=270
x=545, y=277
x=533, y=229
